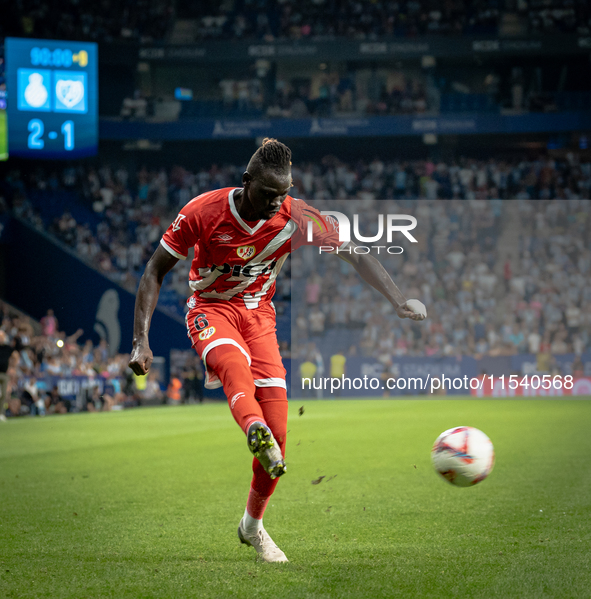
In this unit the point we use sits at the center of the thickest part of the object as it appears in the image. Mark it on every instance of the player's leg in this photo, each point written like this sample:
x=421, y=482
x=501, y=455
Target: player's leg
x=257, y=327
x=273, y=401
x=269, y=377
x=214, y=330
x=235, y=374
x=251, y=531
x=233, y=370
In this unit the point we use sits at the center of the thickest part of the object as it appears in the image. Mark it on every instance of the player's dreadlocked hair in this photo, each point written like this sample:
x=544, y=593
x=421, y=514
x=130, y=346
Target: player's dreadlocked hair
x=271, y=155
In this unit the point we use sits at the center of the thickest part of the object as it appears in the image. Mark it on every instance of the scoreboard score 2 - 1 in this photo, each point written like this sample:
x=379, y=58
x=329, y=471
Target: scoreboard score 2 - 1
x=52, y=98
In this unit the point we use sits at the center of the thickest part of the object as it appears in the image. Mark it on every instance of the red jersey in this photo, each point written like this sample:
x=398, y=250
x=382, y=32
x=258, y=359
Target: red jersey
x=239, y=261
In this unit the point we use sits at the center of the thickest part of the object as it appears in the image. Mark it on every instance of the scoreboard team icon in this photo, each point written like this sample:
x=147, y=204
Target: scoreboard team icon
x=58, y=91
x=34, y=87
x=70, y=91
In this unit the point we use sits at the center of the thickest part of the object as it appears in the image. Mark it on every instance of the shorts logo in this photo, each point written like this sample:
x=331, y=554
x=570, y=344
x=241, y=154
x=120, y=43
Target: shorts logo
x=235, y=399
x=246, y=251
x=207, y=333
x=191, y=302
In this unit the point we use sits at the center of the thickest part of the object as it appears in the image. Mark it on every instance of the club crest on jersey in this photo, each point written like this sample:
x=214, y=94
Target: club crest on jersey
x=207, y=333
x=176, y=223
x=246, y=251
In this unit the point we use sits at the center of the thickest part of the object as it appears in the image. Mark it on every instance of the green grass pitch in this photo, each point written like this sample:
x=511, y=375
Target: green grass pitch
x=3, y=136
x=145, y=503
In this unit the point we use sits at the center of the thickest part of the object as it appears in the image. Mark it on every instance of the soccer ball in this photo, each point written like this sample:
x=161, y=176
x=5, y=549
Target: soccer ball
x=463, y=456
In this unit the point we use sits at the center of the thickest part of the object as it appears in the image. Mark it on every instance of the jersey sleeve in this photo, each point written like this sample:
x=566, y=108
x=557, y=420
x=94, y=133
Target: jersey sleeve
x=183, y=232
x=324, y=229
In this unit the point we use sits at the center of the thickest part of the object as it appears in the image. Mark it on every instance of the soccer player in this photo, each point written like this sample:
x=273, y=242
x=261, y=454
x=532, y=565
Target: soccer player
x=242, y=237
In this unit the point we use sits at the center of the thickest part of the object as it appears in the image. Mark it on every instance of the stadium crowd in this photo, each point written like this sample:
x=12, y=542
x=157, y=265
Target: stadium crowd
x=335, y=94
x=537, y=301
x=44, y=371
x=553, y=16
x=153, y=20
x=110, y=20
x=404, y=18
x=317, y=94
x=328, y=19
x=30, y=352
x=457, y=269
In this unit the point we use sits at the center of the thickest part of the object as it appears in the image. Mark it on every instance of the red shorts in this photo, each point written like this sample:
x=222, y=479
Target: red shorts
x=211, y=324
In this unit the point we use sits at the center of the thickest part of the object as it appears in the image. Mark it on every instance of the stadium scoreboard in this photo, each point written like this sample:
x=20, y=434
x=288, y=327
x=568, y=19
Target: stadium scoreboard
x=52, y=105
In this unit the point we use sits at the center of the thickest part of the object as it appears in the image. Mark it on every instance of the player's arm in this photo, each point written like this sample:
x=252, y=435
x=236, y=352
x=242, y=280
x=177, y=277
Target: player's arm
x=373, y=273
x=160, y=263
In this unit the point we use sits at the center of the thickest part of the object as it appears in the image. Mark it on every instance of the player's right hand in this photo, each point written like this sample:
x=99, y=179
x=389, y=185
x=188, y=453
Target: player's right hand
x=141, y=359
x=413, y=309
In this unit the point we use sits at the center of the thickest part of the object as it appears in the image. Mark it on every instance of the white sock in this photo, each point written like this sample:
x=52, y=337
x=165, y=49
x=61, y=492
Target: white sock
x=251, y=524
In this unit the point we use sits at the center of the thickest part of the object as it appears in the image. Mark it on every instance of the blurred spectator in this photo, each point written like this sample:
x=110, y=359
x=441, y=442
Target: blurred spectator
x=174, y=390
x=135, y=107
x=313, y=290
x=6, y=351
x=49, y=324
x=31, y=399
x=316, y=321
x=55, y=403
x=337, y=368
x=307, y=371
x=152, y=392
x=192, y=380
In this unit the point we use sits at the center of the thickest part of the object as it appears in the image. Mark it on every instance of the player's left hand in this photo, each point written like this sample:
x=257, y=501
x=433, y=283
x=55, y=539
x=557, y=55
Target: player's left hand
x=413, y=309
x=141, y=359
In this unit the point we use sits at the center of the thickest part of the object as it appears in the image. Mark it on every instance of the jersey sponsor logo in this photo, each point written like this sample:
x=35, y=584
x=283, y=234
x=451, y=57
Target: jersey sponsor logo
x=248, y=270
x=235, y=399
x=246, y=251
x=176, y=223
x=207, y=333
x=224, y=238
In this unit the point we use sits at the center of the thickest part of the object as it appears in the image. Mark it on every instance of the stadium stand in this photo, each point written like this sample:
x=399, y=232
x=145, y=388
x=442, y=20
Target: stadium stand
x=330, y=19
x=440, y=65
x=154, y=20
x=338, y=89
x=40, y=358
x=487, y=296
x=139, y=21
